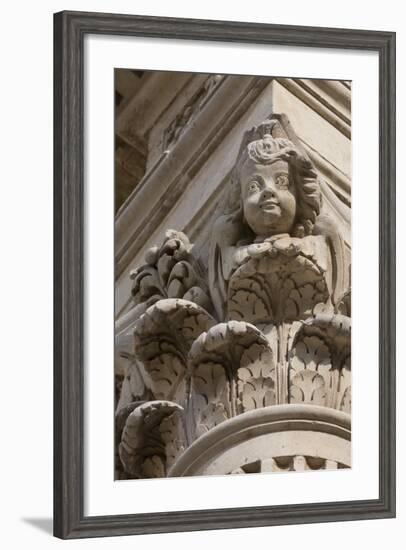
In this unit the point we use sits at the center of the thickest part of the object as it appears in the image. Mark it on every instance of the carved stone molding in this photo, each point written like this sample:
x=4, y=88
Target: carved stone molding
x=190, y=110
x=294, y=463
x=297, y=436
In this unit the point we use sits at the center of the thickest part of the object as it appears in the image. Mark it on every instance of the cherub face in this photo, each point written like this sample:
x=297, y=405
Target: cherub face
x=269, y=197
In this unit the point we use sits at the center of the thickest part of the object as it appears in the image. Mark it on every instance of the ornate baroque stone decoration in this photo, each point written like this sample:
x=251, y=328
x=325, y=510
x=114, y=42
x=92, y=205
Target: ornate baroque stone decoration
x=244, y=367
x=190, y=110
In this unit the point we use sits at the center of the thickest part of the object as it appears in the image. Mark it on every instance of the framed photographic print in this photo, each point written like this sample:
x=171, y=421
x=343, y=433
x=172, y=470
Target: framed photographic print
x=224, y=274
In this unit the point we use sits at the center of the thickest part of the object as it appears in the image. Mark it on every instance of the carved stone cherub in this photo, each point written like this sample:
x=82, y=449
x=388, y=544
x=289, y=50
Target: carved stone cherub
x=277, y=275
x=272, y=211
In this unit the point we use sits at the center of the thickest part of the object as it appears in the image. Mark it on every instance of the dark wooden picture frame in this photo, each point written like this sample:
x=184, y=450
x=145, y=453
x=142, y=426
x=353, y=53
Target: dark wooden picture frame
x=69, y=31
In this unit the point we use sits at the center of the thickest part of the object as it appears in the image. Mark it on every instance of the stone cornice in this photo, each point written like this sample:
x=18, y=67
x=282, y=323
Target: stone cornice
x=330, y=99
x=142, y=111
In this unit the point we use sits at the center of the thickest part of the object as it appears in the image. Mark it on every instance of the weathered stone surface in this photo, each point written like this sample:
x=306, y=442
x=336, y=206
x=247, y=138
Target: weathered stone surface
x=163, y=337
x=231, y=371
x=151, y=439
x=278, y=438
x=235, y=357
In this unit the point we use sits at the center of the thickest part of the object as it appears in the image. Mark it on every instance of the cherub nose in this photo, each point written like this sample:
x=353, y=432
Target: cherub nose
x=269, y=189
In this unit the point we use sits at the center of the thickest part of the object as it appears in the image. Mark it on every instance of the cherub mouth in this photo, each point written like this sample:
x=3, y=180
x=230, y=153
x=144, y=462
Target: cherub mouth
x=269, y=205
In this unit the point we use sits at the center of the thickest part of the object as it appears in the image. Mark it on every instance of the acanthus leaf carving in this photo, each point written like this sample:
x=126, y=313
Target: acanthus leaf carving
x=308, y=387
x=142, y=449
x=319, y=366
x=171, y=271
x=163, y=337
x=224, y=362
x=256, y=378
x=284, y=338
x=174, y=436
x=279, y=280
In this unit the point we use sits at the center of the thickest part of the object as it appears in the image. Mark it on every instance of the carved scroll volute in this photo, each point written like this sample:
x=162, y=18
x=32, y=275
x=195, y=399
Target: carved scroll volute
x=163, y=337
x=320, y=362
x=152, y=438
x=280, y=281
x=232, y=371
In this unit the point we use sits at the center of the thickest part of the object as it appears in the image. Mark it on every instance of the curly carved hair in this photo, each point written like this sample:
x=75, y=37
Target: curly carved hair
x=262, y=148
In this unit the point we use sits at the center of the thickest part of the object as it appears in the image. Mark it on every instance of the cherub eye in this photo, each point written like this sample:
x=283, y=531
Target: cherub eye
x=253, y=187
x=282, y=180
